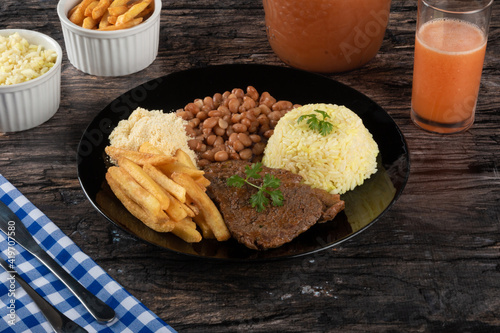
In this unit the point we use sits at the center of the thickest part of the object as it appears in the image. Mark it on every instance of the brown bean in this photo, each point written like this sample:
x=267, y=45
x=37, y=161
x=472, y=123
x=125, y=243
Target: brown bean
x=223, y=110
x=198, y=102
x=206, y=132
x=267, y=99
x=219, y=141
x=223, y=123
x=210, y=122
x=238, y=146
x=275, y=115
x=193, y=143
x=186, y=115
x=190, y=131
x=232, y=138
x=236, y=118
x=238, y=92
x=234, y=156
x=206, y=108
x=253, y=93
x=208, y=155
x=246, y=154
x=211, y=139
x=203, y=163
x=263, y=119
x=256, y=111
x=282, y=105
x=248, y=103
x=194, y=122
x=245, y=139
x=209, y=101
x=215, y=113
x=233, y=105
x=239, y=128
x=192, y=107
x=217, y=99
x=219, y=131
x=221, y=156
x=245, y=121
x=255, y=138
x=258, y=148
x=265, y=109
x=268, y=133
x=202, y=115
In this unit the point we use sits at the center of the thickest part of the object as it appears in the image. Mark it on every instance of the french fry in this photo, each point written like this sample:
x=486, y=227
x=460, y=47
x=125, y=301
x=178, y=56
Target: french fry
x=176, y=210
x=115, y=11
x=145, y=181
x=72, y=10
x=202, y=182
x=132, y=12
x=176, y=166
x=149, y=148
x=205, y=229
x=135, y=191
x=184, y=158
x=106, y=12
x=152, y=221
x=168, y=184
x=126, y=25
x=100, y=9
x=117, y=3
x=207, y=208
x=89, y=23
x=186, y=230
x=78, y=15
x=149, y=9
x=137, y=157
x=104, y=20
x=90, y=8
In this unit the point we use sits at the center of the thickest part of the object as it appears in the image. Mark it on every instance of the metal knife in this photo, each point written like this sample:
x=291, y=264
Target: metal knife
x=59, y=322
x=20, y=234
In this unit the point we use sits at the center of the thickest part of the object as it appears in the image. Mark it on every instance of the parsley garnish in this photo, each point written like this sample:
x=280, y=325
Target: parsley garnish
x=269, y=186
x=322, y=126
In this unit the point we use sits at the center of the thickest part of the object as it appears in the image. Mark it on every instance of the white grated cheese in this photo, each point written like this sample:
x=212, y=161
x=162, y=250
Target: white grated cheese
x=21, y=61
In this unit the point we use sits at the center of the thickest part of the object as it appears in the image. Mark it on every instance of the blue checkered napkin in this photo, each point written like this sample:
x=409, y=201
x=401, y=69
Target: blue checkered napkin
x=132, y=316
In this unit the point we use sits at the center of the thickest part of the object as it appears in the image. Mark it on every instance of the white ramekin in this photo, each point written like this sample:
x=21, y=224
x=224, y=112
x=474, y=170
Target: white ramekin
x=110, y=53
x=31, y=103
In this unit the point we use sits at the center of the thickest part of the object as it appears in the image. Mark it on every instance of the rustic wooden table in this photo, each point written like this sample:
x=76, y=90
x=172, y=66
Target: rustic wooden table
x=431, y=264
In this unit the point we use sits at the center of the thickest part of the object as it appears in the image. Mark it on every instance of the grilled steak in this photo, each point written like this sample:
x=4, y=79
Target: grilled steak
x=303, y=206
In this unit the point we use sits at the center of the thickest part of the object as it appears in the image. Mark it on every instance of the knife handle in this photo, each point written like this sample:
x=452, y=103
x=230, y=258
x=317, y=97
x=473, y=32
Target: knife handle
x=97, y=308
x=59, y=322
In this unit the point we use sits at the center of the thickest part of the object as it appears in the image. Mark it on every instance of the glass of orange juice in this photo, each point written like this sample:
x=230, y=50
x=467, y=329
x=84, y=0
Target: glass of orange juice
x=326, y=36
x=450, y=46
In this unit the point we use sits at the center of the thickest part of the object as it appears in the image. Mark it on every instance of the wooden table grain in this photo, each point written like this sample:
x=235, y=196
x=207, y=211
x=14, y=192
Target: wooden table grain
x=431, y=264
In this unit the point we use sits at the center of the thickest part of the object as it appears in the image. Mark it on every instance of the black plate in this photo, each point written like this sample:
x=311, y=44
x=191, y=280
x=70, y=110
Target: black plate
x=364, y=205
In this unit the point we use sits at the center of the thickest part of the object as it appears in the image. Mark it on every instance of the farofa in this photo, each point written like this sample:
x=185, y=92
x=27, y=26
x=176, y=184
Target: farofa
x=337, y=162
x=165, y=131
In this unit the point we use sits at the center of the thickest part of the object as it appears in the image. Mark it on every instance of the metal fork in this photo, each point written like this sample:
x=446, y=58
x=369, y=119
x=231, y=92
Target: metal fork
x=59, y=322
x=97, y=308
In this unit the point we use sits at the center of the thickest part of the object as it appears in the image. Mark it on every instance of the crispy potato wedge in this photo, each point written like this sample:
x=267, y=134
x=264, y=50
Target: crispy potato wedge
x=186, y=230
x=155, y=222
x=145, y=181
x=139, y=158
x=207, y=208
x=135, y=191
x=168, y=184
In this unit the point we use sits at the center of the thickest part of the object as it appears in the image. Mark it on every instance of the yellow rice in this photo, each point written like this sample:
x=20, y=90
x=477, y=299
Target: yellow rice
x=337, y=162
